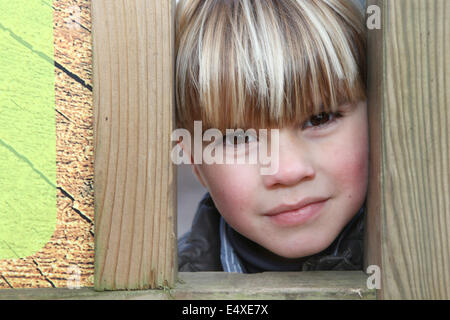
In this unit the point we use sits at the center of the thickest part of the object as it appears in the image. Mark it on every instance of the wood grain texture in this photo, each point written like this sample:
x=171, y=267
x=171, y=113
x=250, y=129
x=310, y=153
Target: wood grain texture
x=415, y=172
x=232, y=286
x=135, y=201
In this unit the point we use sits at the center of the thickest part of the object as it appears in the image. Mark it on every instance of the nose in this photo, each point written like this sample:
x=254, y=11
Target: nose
x=295, y=162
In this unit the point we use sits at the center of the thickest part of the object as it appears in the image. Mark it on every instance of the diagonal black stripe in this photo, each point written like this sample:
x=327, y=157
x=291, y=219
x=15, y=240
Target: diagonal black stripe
x=73, y=76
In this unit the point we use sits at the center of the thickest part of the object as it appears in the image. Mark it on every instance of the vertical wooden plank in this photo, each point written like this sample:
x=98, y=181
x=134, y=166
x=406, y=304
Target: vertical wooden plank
x=372, y=243
x=415, y=144
x=135, y=203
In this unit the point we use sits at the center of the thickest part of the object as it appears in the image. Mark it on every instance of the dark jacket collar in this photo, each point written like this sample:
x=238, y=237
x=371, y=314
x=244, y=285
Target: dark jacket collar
x=199, y=249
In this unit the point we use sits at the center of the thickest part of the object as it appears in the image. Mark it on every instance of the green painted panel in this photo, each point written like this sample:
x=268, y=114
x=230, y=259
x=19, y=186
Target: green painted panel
x=27, y=127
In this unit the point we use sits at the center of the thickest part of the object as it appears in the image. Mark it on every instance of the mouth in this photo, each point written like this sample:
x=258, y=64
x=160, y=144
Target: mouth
x=298, y=213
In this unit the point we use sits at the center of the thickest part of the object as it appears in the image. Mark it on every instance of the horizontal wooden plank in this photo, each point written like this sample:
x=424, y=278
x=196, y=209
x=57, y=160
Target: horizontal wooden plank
x=233, y=286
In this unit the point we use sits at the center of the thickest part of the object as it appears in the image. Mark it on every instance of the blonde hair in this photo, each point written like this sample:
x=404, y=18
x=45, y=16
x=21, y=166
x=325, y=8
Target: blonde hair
x=266, y=63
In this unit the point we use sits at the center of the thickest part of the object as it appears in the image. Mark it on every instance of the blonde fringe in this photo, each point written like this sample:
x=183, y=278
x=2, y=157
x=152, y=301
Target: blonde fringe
x=266, y=63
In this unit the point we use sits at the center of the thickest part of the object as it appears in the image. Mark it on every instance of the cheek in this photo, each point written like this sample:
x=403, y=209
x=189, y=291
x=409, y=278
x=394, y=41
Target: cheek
x=233, y=189
x=350, y=165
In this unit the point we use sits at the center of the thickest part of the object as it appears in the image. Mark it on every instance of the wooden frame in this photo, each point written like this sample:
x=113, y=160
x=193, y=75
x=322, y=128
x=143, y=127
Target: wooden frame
x=133, y=89
x=114, y=212
x=221, y=285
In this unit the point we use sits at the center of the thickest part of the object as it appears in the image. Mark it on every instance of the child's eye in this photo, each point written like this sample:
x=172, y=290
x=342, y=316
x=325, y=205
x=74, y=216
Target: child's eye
x=238, y=138
x=321, y=119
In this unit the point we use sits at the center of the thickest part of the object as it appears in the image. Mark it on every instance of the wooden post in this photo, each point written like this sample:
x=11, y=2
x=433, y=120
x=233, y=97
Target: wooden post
x=135, y=202
x=410, y=87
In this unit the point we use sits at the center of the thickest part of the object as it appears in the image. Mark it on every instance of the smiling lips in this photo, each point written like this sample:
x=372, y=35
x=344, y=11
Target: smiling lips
x=297, y=214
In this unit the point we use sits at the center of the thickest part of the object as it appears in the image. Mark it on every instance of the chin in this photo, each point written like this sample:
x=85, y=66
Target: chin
x=303, y=250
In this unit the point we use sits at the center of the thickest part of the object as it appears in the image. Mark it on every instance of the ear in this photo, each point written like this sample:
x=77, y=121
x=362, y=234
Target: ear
x=196, y=172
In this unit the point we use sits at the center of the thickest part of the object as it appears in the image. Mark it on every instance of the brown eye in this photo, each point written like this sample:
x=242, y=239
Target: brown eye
x=321, y=119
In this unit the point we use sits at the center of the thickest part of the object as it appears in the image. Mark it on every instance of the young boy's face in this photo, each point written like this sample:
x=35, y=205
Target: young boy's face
x=320, y=184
